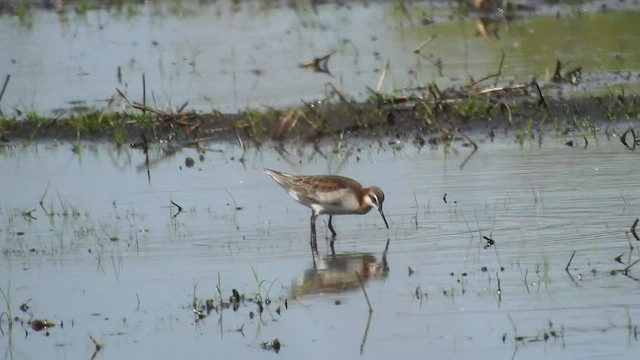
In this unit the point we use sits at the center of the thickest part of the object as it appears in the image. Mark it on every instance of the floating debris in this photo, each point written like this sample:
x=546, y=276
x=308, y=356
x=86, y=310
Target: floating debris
x=24, y=306
x=199, y=314
x=39, y=325
x=272, y=345
x=490, y=242
x=572, y=76
x=319, y=64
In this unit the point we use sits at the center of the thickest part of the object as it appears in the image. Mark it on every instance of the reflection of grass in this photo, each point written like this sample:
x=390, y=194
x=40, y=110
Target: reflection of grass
x=64, y=234
x=82, y=6
x=24, y=12
x=194, y=297
x=526, y=133
x=70, y=230
x=6, y=296
x=128, y=8
x=258, y=283
x=624, y=108
x=67, y=209
x=219, y=288
x=176, y=7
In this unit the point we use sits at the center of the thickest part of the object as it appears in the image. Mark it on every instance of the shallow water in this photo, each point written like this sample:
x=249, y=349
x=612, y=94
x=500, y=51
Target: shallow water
x=219, y=58
x=112, y=258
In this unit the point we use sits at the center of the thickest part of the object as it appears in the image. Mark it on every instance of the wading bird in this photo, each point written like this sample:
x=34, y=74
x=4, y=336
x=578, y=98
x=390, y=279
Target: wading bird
x=331, y=195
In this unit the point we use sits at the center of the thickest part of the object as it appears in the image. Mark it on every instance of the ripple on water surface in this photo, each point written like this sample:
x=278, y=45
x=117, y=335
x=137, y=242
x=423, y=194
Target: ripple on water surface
x=108, y=254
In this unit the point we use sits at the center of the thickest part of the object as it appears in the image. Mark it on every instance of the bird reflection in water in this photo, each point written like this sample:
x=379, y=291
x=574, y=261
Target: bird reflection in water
x=338, y=273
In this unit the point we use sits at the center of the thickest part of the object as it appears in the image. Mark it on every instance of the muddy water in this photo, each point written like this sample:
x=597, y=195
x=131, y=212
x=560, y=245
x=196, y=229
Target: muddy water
x=107, y=255
x=220, y=57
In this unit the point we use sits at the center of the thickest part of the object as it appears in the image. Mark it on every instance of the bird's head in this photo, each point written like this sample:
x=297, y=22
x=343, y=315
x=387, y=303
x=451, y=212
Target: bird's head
x=374, y=197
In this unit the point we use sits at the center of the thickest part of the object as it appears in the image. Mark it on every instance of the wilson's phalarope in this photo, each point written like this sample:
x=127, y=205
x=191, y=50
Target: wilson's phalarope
x=331, y=195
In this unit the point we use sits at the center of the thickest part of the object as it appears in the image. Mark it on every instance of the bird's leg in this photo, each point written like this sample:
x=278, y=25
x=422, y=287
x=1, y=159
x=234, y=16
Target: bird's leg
x=314, y=243
x=333, y=232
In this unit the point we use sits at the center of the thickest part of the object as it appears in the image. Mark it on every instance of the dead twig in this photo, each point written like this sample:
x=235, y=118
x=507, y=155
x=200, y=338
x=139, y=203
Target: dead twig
x=4, y=86
x=123, y=96
x=633, y=230
x=42, y=200
x=499, y=288
x=474, y=83
x=626, y=233
x=475, y=148
x=625, y=270
x=500, y=68
x=569, y=263
x=557, y=77
x=473, y=143
x=495, y=75
x=183, y=106
x=98, y=346
x=383, y=75
x=417, y=50
x=346, y=102
x=623, y=139
x=501, y=88
x=144, y=92
x=503, y=106
x=104, y=111
x=143, y=108
x=178, y=206
x=541, y=100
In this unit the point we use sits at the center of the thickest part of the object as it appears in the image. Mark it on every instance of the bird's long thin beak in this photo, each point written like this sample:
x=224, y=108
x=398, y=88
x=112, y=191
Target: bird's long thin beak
x=383, y=218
